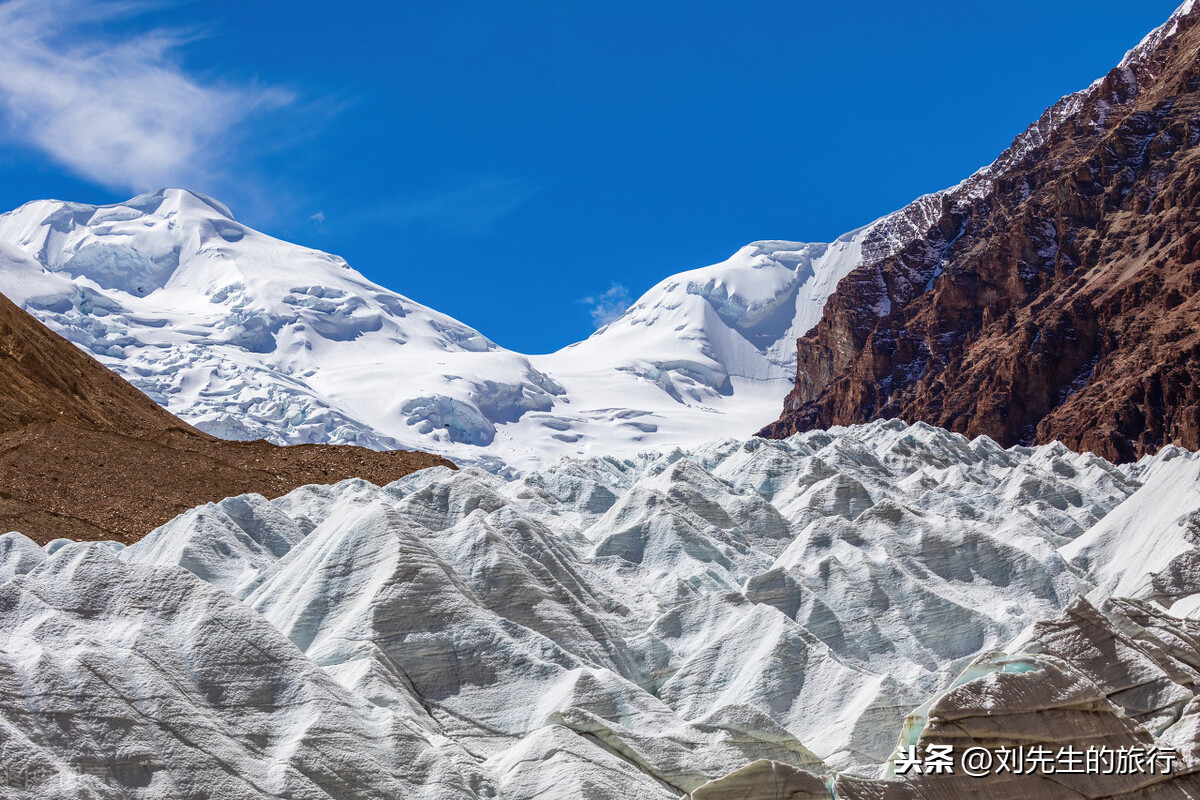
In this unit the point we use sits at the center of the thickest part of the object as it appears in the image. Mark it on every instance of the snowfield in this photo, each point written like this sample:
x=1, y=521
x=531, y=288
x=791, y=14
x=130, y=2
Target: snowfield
x=246, y=336
x=600, y=628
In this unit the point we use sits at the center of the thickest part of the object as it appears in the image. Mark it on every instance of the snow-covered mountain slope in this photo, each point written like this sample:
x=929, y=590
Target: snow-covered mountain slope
x=600, y=628
x=246, y=336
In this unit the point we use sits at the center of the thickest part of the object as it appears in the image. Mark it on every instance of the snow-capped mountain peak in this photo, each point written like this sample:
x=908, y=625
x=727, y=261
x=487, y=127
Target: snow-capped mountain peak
x=248, y=336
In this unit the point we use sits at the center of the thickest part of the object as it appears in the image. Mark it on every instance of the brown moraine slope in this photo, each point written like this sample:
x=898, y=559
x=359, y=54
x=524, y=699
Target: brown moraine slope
x=85, y=455
x=1054, y=296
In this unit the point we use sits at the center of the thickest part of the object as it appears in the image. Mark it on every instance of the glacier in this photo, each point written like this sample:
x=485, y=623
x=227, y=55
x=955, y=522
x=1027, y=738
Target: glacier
x=602, y=627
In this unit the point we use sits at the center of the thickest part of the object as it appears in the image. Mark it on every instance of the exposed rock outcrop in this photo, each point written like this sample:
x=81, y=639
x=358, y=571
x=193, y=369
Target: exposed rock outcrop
x=1052, y=295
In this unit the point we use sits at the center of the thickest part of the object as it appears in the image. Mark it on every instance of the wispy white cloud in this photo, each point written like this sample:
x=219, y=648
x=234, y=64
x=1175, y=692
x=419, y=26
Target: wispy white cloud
x=607, y=306
x=120, y=111
x=471, y=208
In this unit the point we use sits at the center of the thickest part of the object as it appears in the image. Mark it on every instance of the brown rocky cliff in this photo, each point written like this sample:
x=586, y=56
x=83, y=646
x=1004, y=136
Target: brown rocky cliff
x=85, y=455
x=1054, y=295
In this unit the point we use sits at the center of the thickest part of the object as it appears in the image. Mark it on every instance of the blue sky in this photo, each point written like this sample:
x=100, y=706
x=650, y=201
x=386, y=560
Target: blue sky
x=529, y=167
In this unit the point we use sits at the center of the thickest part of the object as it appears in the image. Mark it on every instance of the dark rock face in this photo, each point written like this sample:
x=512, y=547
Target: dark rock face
x=1053, y=295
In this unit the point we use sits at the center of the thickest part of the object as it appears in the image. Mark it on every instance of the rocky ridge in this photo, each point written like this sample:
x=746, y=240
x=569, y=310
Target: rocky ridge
x=1054, y=295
